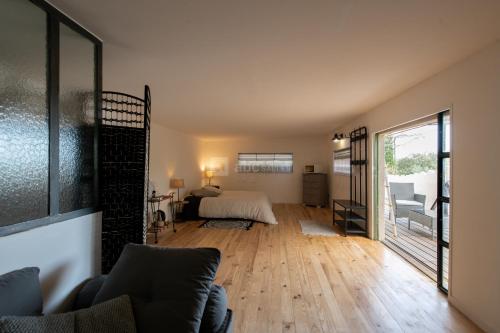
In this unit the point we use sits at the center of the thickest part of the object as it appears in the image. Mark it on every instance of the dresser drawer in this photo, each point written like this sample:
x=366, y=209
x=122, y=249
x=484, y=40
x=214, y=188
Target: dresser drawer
x=314, y=189
x=313, y=186
x=314, y=177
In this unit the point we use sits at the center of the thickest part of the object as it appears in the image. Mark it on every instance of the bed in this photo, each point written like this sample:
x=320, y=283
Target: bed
x=250, y=205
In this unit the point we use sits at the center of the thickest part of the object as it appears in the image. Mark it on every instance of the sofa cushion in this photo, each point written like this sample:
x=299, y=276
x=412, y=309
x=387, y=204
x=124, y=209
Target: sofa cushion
x=86, y=295
x=215, y=310
x=227, y=325
x=60, y=323
x=20, y=293
x=112, y=316
x=403, y=191
x=168, y=287
x=409, y=203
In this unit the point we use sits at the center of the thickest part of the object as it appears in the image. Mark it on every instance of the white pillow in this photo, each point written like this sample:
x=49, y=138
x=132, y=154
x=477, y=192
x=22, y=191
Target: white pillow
x=213, y=189
x=204, y=193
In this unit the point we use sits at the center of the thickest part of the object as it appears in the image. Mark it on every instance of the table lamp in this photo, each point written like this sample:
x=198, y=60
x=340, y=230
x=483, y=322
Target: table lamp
x=209, y=174
x=177, y=183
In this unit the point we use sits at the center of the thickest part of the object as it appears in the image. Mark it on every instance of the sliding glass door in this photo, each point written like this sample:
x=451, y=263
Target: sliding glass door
x=443, y=199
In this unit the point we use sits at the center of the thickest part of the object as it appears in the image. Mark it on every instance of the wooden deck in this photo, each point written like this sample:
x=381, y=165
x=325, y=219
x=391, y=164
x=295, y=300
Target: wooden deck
x=416, y=242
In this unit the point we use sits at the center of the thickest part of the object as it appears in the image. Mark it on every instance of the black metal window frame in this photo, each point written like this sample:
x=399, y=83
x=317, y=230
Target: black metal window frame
x=441, y=199
x=54, y=19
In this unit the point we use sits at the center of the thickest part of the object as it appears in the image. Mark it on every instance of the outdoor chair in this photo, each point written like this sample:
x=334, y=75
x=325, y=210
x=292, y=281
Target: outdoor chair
x=404, y=199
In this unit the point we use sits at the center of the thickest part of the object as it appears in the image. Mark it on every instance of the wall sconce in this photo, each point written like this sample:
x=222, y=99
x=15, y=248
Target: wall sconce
x=339, y=136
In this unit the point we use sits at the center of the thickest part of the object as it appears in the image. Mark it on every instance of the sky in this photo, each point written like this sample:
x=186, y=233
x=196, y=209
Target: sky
x=417, y=140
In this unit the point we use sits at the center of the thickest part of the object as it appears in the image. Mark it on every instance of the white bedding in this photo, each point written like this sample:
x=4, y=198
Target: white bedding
x=238, y=204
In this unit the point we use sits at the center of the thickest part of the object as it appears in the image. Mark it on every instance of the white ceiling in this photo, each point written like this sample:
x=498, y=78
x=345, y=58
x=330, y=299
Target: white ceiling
x=224, y=68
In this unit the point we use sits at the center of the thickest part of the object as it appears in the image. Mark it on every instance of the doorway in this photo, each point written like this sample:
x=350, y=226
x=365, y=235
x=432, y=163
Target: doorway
x=413, y=196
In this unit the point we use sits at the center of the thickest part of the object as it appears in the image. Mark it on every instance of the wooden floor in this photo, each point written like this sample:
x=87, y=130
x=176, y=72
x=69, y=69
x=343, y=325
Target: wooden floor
x=279, y=280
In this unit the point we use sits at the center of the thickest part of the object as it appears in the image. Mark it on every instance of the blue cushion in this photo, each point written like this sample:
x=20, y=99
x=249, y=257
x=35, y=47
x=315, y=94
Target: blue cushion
x=20, y=293
x=215, y=310
x=168, y=287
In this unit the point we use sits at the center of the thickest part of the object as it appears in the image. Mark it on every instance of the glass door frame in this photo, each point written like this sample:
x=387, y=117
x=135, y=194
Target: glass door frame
x=442, y=198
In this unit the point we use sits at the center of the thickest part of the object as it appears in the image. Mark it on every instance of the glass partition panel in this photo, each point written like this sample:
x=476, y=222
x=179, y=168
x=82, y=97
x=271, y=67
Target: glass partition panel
x=76, y=120
x=24, y=125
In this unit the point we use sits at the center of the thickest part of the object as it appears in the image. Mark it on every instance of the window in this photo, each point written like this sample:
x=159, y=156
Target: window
x=342, y=162
x=50, y=81
x=24, y=113
x=265, y=163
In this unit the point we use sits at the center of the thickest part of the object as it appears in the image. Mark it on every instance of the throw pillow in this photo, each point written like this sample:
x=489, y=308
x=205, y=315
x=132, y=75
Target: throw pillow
x=204, y=193
x=168, y=287
x=20, y=293
x=215, y=310
x=112, y=316
x=86, y=295
x=213, y=189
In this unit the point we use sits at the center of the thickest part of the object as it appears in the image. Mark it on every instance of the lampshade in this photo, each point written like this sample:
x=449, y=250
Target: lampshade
x=209, y=173
x=176, y=183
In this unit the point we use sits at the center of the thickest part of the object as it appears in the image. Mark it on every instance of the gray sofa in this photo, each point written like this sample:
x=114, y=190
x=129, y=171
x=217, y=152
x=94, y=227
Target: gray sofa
x=404, y=199
x=150, y=289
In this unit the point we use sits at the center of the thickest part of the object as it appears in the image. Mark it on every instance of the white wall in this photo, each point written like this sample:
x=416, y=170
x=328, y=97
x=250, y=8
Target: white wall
x=472, y=89
x=67, y=253
x=280, y=187
x=174, y=155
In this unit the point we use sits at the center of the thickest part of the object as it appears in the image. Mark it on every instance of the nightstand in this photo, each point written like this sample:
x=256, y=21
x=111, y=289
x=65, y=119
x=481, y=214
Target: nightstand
x=177, y=210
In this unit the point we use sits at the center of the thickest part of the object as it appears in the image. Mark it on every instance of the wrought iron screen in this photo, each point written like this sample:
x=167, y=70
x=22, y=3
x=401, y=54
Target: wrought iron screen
x=124, y=150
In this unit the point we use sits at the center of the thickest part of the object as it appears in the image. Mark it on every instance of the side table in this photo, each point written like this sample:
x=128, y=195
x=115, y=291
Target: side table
x=155, y=201
x=426, y=218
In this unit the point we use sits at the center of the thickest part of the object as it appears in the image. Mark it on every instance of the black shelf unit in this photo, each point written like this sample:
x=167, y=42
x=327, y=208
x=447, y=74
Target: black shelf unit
x=353, y=213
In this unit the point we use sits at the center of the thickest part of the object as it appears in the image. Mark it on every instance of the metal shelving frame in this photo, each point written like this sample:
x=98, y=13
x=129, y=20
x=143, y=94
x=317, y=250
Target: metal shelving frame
x=354, y=212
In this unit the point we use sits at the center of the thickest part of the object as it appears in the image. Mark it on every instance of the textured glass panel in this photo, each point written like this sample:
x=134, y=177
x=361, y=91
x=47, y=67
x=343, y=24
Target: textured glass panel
x=24, y=127
x=76, y=121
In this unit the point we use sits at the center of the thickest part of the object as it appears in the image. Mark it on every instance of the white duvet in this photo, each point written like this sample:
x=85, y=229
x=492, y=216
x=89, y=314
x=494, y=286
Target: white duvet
x=238, y=204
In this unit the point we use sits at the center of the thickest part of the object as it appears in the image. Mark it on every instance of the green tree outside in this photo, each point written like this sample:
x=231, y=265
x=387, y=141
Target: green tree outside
x=407, y=165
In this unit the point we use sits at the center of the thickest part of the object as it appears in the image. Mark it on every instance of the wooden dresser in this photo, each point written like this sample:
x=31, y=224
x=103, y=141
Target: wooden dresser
x=315, y=189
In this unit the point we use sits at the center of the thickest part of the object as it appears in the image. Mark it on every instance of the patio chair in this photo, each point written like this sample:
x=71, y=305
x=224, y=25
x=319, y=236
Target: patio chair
x=404, y=199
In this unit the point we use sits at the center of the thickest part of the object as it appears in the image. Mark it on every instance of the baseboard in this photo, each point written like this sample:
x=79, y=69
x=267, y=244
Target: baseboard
x=466, y=312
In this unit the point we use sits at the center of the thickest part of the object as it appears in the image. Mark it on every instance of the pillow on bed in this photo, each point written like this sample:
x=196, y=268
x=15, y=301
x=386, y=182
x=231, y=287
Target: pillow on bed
x=204, y=193
x=213, y=189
